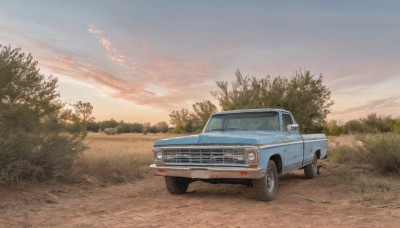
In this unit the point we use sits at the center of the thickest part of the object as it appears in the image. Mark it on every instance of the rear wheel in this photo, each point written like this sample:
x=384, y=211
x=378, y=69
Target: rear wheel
x=311, y=170
x=176, y=185
x=267, y=186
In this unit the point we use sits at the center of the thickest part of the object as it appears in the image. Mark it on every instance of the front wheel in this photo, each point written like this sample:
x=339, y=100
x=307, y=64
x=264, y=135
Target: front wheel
x=267, y=186
x=311, y=170
x=176, y=185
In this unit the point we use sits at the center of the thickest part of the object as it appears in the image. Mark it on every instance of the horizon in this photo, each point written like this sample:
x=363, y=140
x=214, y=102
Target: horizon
x=137, y=61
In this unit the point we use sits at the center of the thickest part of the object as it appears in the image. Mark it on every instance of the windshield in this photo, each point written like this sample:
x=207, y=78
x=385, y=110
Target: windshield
x=244, y=122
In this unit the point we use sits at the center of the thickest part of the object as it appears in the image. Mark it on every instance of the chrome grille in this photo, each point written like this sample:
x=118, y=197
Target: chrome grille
x=204, y=156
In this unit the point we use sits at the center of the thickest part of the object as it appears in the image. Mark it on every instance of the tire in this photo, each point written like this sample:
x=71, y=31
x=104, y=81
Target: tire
x=176, y=185
x=267, y=186
x=311, y=170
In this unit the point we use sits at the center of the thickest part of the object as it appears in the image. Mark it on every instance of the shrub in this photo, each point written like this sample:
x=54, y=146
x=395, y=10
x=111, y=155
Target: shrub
x=118, y=168
x=111, y=131
x=383, y=151
x=33, y=144
x=346, y=154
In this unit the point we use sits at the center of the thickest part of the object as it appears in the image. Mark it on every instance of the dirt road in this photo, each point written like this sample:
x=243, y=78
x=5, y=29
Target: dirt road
x=146, y=203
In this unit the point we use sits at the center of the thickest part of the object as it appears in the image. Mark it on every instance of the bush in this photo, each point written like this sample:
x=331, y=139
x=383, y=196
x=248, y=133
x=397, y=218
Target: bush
x=346, y=154
x=383, y=151
x=33, y=142
x=111, y=131
x=119, y=168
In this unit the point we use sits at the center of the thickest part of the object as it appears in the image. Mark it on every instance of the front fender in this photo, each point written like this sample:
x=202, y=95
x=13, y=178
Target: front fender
x=267, y=153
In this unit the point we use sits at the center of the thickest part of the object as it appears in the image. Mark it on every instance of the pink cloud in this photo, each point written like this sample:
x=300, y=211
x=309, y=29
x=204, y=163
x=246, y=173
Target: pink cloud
x=180, y=78
x=122, y=89
x=386, y=105
x=112, y=53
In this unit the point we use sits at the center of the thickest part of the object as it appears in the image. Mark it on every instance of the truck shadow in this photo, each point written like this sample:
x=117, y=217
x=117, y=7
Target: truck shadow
x=287, y=183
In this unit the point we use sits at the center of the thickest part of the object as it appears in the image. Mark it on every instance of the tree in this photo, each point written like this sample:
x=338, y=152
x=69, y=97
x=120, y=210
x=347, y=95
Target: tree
x=146, y=127
x=395, y=126
x=377, y=122
x=161, y=127
x=309, y=100
x=202, y=112
x=33, y=144
x=333, y=127
x=123, y=127
x=182, y=120
x=136, y=128
x=108, y=124
x=93, y=126
x=356, y=126
x=244, y=93
x=83, y=112
x=306, y=97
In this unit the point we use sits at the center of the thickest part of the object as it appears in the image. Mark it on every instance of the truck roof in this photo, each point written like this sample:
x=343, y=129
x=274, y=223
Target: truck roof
x=252, y=110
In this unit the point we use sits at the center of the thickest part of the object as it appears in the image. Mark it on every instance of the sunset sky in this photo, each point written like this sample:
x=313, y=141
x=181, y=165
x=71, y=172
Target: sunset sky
x=139, y=60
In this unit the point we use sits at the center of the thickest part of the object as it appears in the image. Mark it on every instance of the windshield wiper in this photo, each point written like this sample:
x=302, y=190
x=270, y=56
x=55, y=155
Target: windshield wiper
x=229, y=129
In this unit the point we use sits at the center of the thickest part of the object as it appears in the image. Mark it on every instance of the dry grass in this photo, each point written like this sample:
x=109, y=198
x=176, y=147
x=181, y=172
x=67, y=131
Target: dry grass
x=349, y=169
x=114, y=158
x=126, y=157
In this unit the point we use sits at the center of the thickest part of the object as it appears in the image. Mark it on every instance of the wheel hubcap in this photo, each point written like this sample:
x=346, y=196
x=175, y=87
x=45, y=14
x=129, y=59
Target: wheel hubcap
x=270, y=181
x=314, y=166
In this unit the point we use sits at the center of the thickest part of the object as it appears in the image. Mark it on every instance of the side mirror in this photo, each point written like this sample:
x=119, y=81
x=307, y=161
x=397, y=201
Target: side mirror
x=293, y=127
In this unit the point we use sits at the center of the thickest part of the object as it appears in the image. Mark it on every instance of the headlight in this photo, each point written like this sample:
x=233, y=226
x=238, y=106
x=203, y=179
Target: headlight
x=251, y=156
x=158, y=154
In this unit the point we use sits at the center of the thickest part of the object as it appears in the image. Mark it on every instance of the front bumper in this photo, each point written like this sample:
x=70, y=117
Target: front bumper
x=196, y=172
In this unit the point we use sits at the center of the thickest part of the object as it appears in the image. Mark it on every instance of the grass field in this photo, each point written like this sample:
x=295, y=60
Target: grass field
x=357, y=165
x=126, y=157
x=114, y=158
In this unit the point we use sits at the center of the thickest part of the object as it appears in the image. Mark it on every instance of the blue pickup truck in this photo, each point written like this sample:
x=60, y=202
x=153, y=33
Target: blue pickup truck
x=249, y=147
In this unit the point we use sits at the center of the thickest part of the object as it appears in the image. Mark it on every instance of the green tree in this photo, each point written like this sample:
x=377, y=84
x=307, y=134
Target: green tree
x=161, y=127
x=202, y=112
x=123, y=127
x=146, y=127
x=303, y=94
x=333, y=127
x=136, y=128
x=182, y=120
x=244, y=92
x=395, y=126
x=377, y=122
x=32, y=142
x=108, y=124
x=83, y=112
x=356, y=126
x=93, y=126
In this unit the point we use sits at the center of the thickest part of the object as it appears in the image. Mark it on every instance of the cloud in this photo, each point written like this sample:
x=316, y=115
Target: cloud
x=141, y=92
x=162, y=69
x=388, y=105
x=112, y=53
x=374, y=105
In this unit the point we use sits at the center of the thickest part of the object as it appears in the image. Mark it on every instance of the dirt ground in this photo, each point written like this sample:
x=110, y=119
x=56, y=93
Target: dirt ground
x=146, y=203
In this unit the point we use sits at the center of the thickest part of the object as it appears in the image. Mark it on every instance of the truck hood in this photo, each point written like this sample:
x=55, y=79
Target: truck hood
x=225, y=138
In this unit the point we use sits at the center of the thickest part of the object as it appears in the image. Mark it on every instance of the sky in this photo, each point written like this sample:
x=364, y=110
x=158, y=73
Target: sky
x=139, y=60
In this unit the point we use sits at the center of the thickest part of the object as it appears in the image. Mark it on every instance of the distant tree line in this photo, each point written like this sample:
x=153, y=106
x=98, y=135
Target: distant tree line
x=372, y=123
x=119, y=127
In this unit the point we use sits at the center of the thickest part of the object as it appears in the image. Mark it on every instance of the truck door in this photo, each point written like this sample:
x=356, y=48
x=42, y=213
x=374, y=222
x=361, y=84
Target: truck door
x=294, y=147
